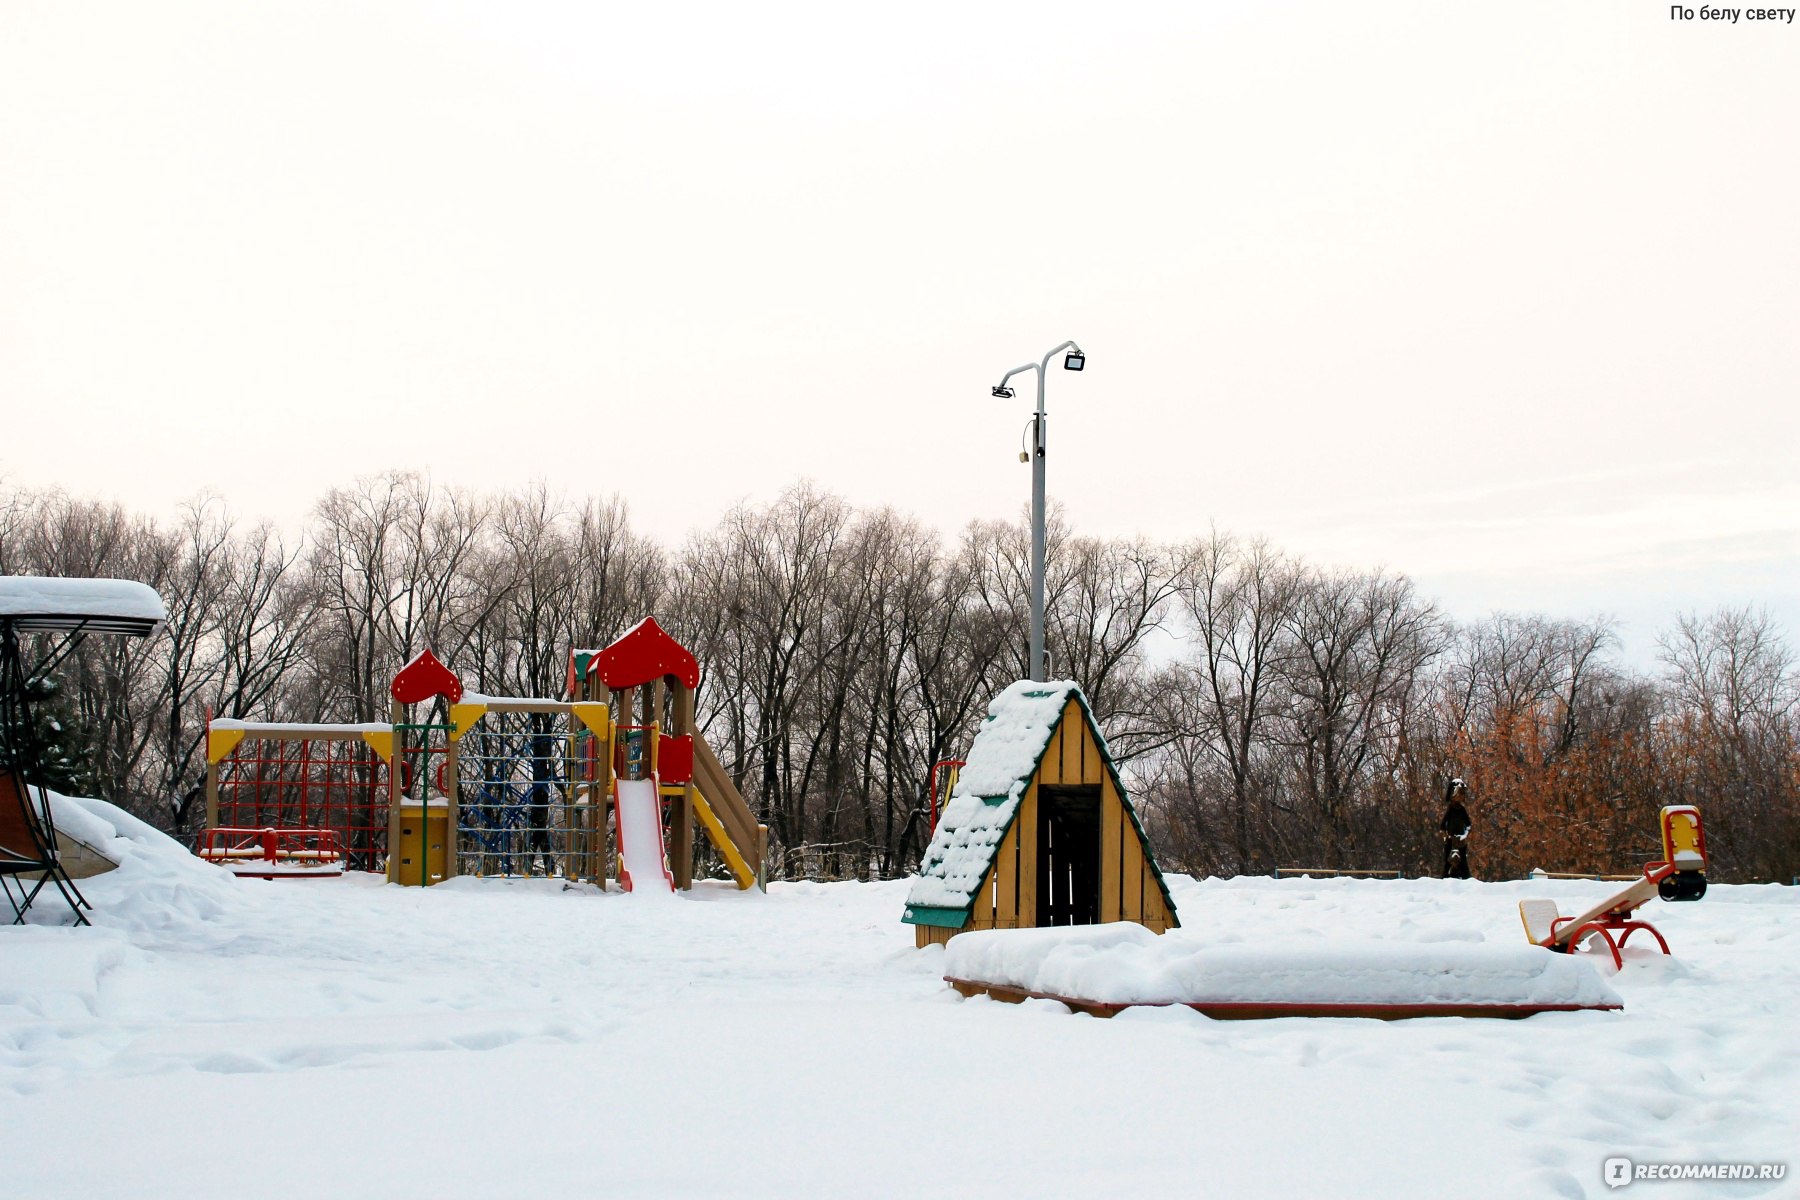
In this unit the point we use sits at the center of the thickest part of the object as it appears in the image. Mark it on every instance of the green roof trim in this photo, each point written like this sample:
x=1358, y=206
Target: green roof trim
x=943, y=918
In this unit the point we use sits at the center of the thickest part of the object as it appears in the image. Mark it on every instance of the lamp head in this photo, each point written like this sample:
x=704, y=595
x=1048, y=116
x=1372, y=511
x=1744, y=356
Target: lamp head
x=1004, y=392
x=1074, y=360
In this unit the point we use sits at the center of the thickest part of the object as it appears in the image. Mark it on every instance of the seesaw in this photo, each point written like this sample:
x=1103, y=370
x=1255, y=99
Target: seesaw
x=1680, y=876
x=270, y=853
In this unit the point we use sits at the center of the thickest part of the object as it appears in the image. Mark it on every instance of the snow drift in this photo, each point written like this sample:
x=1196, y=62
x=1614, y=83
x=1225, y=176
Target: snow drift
x=1124, y=963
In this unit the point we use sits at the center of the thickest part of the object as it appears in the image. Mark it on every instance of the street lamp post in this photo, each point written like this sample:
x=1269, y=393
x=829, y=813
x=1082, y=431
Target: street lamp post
x=1074, y=361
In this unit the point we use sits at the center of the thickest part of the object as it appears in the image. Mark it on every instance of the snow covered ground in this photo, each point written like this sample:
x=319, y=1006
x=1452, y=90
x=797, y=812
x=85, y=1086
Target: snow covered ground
x=217, y=1037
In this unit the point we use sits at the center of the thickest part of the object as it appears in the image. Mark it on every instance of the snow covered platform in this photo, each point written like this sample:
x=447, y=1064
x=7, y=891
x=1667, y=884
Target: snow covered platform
x=1104, y=969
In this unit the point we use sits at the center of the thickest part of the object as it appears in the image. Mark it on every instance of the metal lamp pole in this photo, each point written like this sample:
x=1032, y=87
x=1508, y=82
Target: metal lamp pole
x=1075, y=361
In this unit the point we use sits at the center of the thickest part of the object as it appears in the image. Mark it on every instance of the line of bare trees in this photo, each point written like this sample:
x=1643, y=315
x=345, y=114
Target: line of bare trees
x=1268, y=712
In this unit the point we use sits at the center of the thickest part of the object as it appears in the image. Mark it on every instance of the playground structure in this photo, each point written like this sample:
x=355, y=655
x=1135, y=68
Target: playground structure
x=298, y=782
x=65, y=611
x=1039, y=829
x=1680, y=876
x=519, y=800
x=649, y=673
x=529, y=785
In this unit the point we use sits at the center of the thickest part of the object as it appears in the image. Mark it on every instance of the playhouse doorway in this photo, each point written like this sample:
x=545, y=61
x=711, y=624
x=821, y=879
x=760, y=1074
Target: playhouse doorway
x=1068, y=891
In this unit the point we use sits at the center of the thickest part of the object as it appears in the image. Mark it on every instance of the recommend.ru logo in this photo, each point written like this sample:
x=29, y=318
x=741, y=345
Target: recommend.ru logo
x=1617, y=1172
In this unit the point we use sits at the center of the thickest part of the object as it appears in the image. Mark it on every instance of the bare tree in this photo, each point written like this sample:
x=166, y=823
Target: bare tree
x=1239, y=601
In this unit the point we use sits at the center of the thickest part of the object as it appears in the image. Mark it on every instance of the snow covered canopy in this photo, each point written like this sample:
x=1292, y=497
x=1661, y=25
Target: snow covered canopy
x=1007, y=756
x=33, y=604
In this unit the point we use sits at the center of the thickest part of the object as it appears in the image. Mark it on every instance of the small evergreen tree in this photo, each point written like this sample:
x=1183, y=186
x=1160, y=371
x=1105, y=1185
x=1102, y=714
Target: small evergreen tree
x=64, y=748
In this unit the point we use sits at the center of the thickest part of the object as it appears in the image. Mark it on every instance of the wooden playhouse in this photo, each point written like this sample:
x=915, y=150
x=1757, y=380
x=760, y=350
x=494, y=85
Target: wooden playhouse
x=1039, y=830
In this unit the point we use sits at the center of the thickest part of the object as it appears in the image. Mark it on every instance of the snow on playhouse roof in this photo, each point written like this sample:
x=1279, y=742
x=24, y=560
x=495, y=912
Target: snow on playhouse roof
x=988, y=789
x=38, y=604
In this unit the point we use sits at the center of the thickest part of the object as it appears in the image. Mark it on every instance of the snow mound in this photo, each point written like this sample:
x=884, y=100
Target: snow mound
x=158, y=883
x=1124, y=963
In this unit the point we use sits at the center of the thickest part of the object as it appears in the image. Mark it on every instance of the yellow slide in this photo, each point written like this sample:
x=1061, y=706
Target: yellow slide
x=741, y=870
x=727, y=819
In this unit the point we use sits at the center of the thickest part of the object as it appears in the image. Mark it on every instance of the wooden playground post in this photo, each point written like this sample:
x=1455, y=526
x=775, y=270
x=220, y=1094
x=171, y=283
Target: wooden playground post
x=681, y=817
x=601, y=801
x=212, y=792
x=603, y=782
x=396, y=768
x=453, y=794
x=623, y=697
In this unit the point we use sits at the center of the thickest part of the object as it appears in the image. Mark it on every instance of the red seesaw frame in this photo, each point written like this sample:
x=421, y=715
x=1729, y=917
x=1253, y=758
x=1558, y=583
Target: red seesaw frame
x=1680, y=876
x=1615, y=919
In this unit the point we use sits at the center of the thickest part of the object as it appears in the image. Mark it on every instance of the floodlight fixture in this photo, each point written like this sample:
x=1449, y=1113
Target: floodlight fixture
x=1074, y=360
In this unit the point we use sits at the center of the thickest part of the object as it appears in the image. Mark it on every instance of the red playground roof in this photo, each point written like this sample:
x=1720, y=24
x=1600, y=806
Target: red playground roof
x=424, y=678
x=645, y=653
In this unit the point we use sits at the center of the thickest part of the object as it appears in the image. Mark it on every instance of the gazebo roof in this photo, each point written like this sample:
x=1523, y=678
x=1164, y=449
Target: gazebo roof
x=37, y=604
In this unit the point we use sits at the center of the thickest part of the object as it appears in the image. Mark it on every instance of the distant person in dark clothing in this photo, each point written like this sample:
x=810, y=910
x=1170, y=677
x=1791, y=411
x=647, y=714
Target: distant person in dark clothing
x=1455, y=826
x=537, y=829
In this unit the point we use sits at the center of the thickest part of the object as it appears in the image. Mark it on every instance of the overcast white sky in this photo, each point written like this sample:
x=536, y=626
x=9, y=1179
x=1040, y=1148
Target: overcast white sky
x=1504, y=296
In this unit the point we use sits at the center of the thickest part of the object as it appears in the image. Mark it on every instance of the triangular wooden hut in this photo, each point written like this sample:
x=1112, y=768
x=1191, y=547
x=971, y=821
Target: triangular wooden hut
x=1038, y=830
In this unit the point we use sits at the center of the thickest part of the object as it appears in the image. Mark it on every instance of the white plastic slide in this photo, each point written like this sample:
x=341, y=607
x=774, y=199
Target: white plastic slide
x=643, y=867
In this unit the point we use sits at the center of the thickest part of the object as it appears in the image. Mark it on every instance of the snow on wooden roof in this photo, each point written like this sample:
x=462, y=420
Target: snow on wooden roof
x=34, y=604
x=989, y=787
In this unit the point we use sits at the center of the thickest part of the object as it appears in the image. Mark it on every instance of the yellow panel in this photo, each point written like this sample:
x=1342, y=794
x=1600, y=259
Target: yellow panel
x=220, y=742
x=1026, y=823
x=1074, y=732
x=1090, y=752
x=462, y=716
x=1154, y=917
x=381, y=741
x=1112, y=821
x=596, y=716
x=1050, y=766
x=1681, y=836
x=1007, y=876
x=1132, y=872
